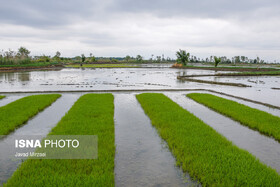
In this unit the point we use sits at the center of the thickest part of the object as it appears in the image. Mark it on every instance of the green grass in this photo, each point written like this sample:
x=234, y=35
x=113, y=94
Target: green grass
x=38, y=64
x=223, y=66
x=2, y=96
x=18, y=112
x=253, y=118
x=205, y=154
x=92, y=114
x=102, y=66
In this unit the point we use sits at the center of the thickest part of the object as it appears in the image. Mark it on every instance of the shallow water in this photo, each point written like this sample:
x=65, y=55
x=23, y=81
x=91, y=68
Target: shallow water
x=142, y=158
x=40, y=125
x=88, y=79
x=266, y=149
x=134, y=78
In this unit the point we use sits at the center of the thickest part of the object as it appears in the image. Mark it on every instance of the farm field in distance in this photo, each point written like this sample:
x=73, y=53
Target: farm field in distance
x=202, y=154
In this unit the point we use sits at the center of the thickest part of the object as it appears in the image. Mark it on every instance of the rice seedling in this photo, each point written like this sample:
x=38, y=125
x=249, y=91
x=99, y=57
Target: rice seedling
x=205, y=154
x=92, y=114
x=2, y=96
x=18, y=112
x=261, y=121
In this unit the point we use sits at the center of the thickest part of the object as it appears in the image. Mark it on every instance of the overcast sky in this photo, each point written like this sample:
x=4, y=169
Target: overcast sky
x=146, y=27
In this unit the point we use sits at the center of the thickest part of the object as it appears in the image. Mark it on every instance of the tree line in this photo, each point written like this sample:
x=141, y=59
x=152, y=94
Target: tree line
x=22, y=56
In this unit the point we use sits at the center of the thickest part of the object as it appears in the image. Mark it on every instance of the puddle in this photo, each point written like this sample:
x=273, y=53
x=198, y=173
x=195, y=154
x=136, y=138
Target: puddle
x=39, y=125
x=266, y=149
x=142, y=158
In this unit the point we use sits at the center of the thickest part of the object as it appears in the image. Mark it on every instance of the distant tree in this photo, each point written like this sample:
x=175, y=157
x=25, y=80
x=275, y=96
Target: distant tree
x=139, y=58
x=83, y=58
x=255, y=61
x=23, y=52
x=158, y=59
x=217, y=60
x=258, y=59
x=182, y=57
x=57, y=54
x=114, y=60
x=93, y=59
x=127, y=58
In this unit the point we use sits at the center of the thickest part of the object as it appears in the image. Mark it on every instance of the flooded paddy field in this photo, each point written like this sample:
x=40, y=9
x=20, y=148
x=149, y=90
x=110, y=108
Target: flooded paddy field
x=142, y=157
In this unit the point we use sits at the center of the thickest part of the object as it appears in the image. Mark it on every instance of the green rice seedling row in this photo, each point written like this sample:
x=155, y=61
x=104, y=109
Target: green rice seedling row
x=253, y=118
x=92, y=114
x=20, y=111
x=2, y=96
x=205, y=154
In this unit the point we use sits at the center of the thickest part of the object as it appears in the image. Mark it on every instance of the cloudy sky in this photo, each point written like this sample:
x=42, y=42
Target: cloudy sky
x=146, y=27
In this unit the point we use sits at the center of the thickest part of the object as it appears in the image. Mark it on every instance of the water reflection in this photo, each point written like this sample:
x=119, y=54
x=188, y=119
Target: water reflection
x=14, y=76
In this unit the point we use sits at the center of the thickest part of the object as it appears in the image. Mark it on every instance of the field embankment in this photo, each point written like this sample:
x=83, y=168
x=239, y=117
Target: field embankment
x=251, y=117
x=102, y=66
x=201, y=151
x=33, y=66
x=20, y=111
x=92, y=114
x=231, y=68
x=213, y=82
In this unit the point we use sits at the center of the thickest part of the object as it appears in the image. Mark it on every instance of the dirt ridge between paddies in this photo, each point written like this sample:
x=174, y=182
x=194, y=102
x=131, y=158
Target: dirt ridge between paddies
x=20, y=111
x=240, y=74
x=92, y=114
x=261, y=121
x=205, y=154
x=232, y=68
x=213, y=82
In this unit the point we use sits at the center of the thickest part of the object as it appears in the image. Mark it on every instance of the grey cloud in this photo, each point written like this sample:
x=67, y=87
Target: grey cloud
x=38, y=13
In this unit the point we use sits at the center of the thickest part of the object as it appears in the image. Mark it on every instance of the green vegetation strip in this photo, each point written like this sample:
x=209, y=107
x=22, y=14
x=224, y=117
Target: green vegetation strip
x=38, y=64
x=2, y=96
x=92, y=114
x=261, y=73
x=201, y=151
x=102, y=66
x=18, y=112
x=213, y=82
x=253, y=118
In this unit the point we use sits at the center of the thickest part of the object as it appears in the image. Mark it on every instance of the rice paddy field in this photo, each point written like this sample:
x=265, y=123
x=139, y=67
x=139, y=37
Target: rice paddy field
x=153, y=129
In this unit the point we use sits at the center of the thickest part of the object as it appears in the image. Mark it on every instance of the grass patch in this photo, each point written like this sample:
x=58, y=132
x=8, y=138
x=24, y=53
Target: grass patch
x=2, y=96
x=92, y=114
x=253, y=118
x=201, y=151
x=18, y=112
x=38, y=64
x=102, y=66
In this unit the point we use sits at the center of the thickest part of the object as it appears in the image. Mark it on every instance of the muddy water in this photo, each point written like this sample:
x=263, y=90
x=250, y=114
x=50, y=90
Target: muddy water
x=135, y=78
x=142, y=159
x=89, y=79
x=40, y=125
x=266, y=149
